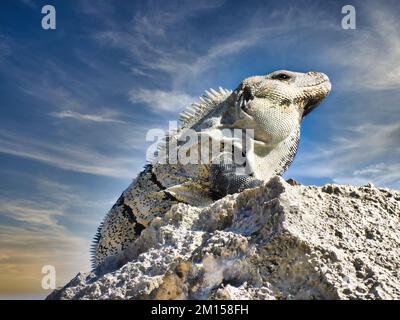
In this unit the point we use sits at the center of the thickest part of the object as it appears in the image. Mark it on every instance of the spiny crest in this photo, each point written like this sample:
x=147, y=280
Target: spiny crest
x=162, y=150
x=200, y=109
x=93, y=246
x=192, y=115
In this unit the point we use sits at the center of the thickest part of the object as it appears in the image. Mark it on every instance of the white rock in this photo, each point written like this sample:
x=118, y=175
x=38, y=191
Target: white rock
x=274, y=242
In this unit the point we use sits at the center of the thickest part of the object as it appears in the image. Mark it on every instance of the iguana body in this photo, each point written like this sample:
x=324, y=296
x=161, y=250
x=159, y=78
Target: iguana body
x=273, y=106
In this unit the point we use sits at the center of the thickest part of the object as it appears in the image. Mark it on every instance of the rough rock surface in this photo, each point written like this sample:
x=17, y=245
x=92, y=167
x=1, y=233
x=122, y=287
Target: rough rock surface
x=274, y=242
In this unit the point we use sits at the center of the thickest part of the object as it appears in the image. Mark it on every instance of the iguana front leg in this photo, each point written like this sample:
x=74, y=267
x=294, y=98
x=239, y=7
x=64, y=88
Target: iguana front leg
x=230, y=173
x=225, y=179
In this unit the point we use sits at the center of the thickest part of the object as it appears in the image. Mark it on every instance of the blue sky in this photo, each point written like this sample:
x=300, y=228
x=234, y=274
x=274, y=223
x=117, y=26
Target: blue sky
x=76, y=103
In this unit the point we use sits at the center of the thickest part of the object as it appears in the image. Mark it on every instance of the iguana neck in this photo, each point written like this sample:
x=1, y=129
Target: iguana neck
x=274, y=160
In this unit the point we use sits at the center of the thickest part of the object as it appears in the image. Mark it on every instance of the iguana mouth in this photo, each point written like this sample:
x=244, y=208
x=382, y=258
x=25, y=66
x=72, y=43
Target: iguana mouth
x=314, y=101
x=310, y=106
x=244, y=96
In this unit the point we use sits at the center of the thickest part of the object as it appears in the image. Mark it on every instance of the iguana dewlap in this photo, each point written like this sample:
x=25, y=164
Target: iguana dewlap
x=272, y=107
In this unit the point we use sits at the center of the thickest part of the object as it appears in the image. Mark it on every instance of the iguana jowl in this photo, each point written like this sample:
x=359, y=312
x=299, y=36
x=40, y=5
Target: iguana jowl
x=273, y=106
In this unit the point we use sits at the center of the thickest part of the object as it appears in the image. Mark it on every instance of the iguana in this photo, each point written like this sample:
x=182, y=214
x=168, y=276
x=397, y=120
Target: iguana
x=272, y=106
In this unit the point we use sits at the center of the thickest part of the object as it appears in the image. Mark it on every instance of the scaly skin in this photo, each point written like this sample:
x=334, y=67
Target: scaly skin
x=273, y=106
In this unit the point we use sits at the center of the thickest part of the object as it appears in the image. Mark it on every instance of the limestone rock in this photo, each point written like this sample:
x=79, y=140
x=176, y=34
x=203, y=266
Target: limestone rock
x=273, y=242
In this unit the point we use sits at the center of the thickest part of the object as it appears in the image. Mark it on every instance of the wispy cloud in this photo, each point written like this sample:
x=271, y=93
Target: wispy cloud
x=368, y=56
x=34, y=232
x=85, y=117
x=30, y=3
x=355, y=156
x=363, y=142
x=67, y=156
x=26, y=212
x=26, y=249
x=191, y=65
x=5, y=47
x=381, y=173
x=163, y=101
x=50, y=203
x=183, y=65
x=155, y=51
x=166, y=14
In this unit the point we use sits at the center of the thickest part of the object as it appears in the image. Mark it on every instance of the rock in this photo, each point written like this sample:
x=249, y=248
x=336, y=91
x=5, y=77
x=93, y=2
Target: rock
x=273, y=242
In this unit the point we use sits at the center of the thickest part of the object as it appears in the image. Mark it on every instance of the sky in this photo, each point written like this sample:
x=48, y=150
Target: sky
x=76, y=103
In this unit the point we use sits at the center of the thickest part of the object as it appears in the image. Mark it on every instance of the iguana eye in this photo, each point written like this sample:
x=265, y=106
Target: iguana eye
x=280, y=76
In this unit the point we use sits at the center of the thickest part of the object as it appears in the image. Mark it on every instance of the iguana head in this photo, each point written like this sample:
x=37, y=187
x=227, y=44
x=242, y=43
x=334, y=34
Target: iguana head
x=275, y=104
